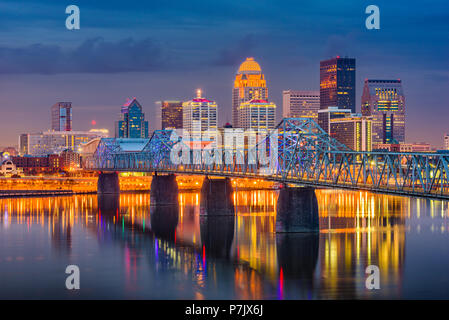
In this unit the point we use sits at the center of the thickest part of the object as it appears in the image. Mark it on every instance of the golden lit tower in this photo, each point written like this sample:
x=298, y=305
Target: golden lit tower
x=248, y=80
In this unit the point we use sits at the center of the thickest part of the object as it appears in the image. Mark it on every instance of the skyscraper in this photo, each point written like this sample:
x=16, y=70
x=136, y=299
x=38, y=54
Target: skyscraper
x=61, y=116
x=199, y=115
x=132, y=124
x=248, y=80
x=337, y=83
x=257, y=114
x=325, y=117
x=446, y=141
x=300, y=104
x=384, y=100
x=354, y=132
x=171, y=114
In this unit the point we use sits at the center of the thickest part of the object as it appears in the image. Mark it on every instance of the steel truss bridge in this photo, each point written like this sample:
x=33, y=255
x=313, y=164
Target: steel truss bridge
x=299, y=152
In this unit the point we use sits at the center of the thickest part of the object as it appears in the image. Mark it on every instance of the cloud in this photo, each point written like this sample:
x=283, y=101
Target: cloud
x=94, y=55
x=235, y=55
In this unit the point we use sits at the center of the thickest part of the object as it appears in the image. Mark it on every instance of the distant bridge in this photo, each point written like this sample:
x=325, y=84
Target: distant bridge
x=299, y=152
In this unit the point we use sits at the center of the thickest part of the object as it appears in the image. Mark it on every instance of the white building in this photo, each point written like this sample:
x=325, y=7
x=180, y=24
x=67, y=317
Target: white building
x=199, y=115
x=8, y=168
x=257, y=114
x=54, y=142
x=297, y=104
x=446, y=141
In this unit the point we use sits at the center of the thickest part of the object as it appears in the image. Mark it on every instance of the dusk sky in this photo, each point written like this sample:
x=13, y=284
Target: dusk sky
x=166, y=49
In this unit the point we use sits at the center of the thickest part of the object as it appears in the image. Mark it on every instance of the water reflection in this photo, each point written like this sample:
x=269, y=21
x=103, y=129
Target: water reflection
x=131, y=248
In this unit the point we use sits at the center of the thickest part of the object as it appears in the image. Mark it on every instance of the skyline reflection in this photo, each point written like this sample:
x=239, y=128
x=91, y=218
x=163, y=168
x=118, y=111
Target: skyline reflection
x=180, y=254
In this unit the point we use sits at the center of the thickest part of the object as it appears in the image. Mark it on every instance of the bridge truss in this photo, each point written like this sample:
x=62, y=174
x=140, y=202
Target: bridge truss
x=298, y=152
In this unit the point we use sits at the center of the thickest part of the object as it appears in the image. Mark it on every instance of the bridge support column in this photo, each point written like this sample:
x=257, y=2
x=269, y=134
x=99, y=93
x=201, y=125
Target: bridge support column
x=297, y=210
x=216, y=197
x=108, y=183
x=164, y=207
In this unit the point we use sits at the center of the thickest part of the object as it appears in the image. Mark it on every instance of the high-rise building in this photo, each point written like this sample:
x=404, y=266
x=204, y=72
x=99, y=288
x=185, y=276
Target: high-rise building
x=354, y=132
x=61, y=116
x=199, y=115
x=446, y=141
x=337, y=83
x=248, y=80
x=384, y=101
x=171, y=114
x=257, y=114
x=132, y=124
x=298, y=104
x=326, y=115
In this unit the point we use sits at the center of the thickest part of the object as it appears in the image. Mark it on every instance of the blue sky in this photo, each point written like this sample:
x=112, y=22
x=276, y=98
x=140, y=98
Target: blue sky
x=156, y=50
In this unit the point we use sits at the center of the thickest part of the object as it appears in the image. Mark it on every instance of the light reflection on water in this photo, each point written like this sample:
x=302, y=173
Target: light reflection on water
x=123, y=251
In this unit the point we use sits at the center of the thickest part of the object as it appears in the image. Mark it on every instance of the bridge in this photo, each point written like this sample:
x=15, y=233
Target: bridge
x=297, y=152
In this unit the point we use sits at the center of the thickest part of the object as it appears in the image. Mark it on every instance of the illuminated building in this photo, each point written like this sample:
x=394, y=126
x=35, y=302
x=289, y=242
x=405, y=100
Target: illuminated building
x=61, y=116
x=38, y=164
x=257, y=114
x=384, y=101
x=248, y=80
x=171, y=114
x=101, y=132
x=8, y=168
x=199, y=115
x=326, y=115
x=54, y=142
x=446, y=141
x=337, y=83
x=132, y=124
x=298, y=104
x=402, y=147
x=354, y=132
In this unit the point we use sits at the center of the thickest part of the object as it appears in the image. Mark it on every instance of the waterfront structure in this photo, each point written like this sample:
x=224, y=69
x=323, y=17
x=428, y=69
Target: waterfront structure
x=54, y=142
x=199, y=115
x=337, y=83
x=354, y=132
x=257, y=114
x=61, y=116
x=38, y=164
x=326, y=115
x=296, y=103
x=132, y=123
x=446, y=141
x=171, y=114
x=8, y=168
x=384, y=101
x=248, y=80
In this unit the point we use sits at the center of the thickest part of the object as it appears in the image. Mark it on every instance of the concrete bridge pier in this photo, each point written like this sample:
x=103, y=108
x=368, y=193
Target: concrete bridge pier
x=297, y=210
x=216, y=197
x=164, y=206
x=108, y=183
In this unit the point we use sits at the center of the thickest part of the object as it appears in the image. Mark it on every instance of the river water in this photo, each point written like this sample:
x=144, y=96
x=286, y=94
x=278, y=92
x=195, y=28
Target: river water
x=123, y=254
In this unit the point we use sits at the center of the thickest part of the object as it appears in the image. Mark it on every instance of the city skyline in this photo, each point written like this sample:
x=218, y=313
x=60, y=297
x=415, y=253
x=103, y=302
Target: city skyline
x=164, y=63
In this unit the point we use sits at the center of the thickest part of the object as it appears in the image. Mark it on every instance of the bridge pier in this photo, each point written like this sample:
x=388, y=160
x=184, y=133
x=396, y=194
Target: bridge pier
x=164, y=207
x=216, y=197
x=108, y=183
x=297, y=210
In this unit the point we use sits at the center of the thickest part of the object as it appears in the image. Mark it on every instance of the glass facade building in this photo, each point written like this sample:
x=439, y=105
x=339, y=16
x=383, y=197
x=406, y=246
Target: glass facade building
x=337, y=83
x=61, y=116
x=325, y=116
x=171, y=114
x=384, y=101
x=132, y=124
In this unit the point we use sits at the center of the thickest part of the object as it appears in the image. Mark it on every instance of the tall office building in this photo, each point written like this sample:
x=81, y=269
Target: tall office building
x=326, y=115
x=132, y=124
x=248, y=80
x=171, y=114
x=257, y=114
x=298, y=104
x=199, y=115
x=384, y=101
x=446, y=141
x=61, y=116
x=354, y=132
x=337, y=83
